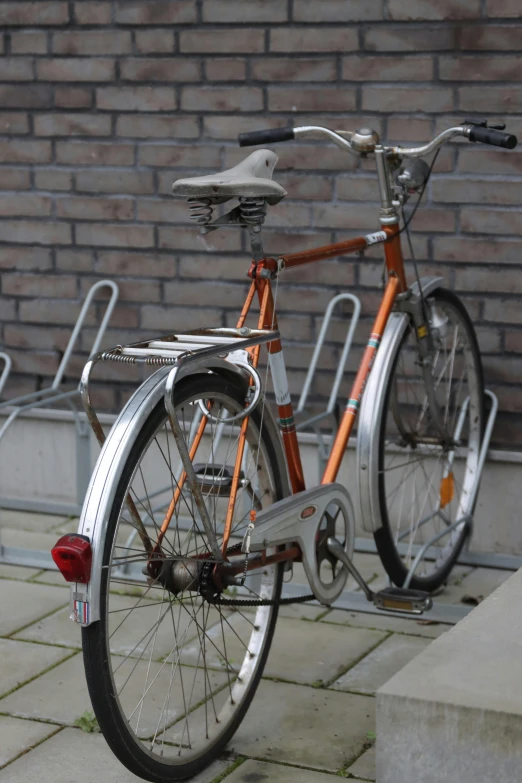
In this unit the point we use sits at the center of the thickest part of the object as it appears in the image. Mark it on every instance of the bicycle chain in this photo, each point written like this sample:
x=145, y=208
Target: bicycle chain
x=208, y=592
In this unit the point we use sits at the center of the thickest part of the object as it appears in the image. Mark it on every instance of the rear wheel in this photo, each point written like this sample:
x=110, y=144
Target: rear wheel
x=171, y=675
x=425, y=477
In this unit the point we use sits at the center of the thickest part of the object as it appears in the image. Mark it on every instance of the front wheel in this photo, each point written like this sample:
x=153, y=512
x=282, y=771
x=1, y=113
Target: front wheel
x=426, y=475
x=170, y=674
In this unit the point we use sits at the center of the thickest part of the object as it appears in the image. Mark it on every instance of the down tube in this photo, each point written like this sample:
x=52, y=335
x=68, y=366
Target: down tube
x=352, y=407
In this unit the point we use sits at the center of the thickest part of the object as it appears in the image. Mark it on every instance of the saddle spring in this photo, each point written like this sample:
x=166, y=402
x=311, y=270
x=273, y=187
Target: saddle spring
x=200, y=210
x=253, y=211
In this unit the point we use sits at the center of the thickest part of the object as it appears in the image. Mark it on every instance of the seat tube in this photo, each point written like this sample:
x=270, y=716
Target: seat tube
x=267, y=320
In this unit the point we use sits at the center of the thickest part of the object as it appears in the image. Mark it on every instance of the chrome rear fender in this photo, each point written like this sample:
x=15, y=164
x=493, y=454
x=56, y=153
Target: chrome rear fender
x=94, y=520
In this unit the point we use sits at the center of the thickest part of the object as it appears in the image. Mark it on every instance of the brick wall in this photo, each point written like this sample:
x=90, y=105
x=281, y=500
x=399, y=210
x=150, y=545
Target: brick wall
x=103, y=104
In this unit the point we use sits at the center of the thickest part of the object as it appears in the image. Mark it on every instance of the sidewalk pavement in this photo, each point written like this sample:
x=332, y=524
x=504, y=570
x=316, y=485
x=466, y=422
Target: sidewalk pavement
x=312, y=717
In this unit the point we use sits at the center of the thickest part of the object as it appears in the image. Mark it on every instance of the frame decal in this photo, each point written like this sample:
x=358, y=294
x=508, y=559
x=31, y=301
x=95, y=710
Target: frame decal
x=373, y=239
x=279, y=377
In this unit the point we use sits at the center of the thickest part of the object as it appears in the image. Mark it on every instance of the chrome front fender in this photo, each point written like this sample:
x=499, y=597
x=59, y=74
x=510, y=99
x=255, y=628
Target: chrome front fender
x=85, y=599
x=370, y=418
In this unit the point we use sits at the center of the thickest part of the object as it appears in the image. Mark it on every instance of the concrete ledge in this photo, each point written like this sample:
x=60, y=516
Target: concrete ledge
x=455, y=712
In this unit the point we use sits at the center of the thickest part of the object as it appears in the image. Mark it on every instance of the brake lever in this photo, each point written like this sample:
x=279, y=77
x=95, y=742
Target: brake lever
x=484, y=124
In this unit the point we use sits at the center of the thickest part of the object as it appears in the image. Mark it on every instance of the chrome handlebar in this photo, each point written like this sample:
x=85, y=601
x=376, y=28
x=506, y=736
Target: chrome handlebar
x=334, y=136
x=357, y=144
x=425, y=149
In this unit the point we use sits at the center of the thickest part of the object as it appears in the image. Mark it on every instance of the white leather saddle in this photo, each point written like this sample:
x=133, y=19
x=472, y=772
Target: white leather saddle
x=252, y=178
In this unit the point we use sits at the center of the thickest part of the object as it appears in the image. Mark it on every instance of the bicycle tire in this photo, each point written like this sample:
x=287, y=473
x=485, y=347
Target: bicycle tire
x=114, y=723
x=395, y=419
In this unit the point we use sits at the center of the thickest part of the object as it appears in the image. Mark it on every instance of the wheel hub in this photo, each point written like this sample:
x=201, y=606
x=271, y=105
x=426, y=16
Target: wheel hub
x=194, y=575
x=179, y=576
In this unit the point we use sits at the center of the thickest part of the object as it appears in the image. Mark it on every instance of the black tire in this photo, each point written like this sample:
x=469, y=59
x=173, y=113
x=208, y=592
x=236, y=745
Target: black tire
x=395, y=421
x=97, y=657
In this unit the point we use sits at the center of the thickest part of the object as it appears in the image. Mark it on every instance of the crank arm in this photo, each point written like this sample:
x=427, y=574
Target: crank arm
x=337, y=550
x=392, y=599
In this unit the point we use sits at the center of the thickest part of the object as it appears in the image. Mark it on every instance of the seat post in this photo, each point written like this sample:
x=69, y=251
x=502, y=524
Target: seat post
x=256, y=243
x=253, y=213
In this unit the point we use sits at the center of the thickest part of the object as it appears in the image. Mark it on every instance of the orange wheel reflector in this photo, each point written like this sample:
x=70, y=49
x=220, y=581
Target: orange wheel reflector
x=447, y=490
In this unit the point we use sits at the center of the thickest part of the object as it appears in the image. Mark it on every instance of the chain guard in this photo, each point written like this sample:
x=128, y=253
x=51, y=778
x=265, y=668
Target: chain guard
x=299, y=519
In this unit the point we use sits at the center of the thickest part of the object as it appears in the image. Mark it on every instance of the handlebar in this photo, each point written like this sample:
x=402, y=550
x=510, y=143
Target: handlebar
x=366, y=141
x=493, y=136
x=269, y=136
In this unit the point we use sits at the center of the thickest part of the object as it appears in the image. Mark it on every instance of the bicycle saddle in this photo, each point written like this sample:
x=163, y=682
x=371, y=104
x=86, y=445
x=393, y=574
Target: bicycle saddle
x=252, y=178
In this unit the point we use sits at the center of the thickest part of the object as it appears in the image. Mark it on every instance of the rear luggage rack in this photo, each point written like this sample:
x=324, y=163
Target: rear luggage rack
x=182, y=350
x=190, y=347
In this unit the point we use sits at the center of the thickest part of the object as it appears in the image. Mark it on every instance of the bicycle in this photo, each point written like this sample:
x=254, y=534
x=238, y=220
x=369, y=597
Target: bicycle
x=197, y=504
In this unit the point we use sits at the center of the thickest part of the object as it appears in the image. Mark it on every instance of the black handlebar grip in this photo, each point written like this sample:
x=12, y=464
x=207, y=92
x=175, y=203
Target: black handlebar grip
x=269, y=136
x=495, y=137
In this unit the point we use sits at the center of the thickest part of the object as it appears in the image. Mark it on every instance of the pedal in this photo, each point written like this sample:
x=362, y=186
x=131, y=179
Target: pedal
x=399, y=599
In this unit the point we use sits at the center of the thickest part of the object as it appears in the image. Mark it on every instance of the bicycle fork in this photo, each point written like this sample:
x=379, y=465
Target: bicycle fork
x=416, y=307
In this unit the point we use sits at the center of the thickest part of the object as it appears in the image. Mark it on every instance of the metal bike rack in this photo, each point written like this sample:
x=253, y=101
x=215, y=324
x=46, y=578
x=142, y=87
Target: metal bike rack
x=314, y=421
x=5, y=372
x=467, y=556
x=468, y=516
x=21, y=405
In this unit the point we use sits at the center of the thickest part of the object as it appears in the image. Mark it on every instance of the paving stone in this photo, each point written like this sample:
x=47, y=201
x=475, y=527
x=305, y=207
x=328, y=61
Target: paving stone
x=382, y=663
x=302, y=611
x=28, y=539
x=29, y=520
x=73, y=755
x=134, y=625
x=133, y=630
x=17, y=572
x=57, y=628
x=53, y=577
x=383, y=622
x=21, y=661
x=24, y=602
x=309, y=726
x=66, y=526
x=237, y=630
x=480, y=583
x=364, y=767
x=61, y=695
x=20, y=735
x=261, y=772
x=303, y=652
x=300, y=652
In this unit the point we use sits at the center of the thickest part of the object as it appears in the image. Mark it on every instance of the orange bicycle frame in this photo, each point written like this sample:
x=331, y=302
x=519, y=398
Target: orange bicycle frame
x=260, y=274
x=396, y=284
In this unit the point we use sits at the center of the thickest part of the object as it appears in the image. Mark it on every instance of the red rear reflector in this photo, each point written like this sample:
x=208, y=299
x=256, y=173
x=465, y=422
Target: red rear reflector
x=73, y=556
